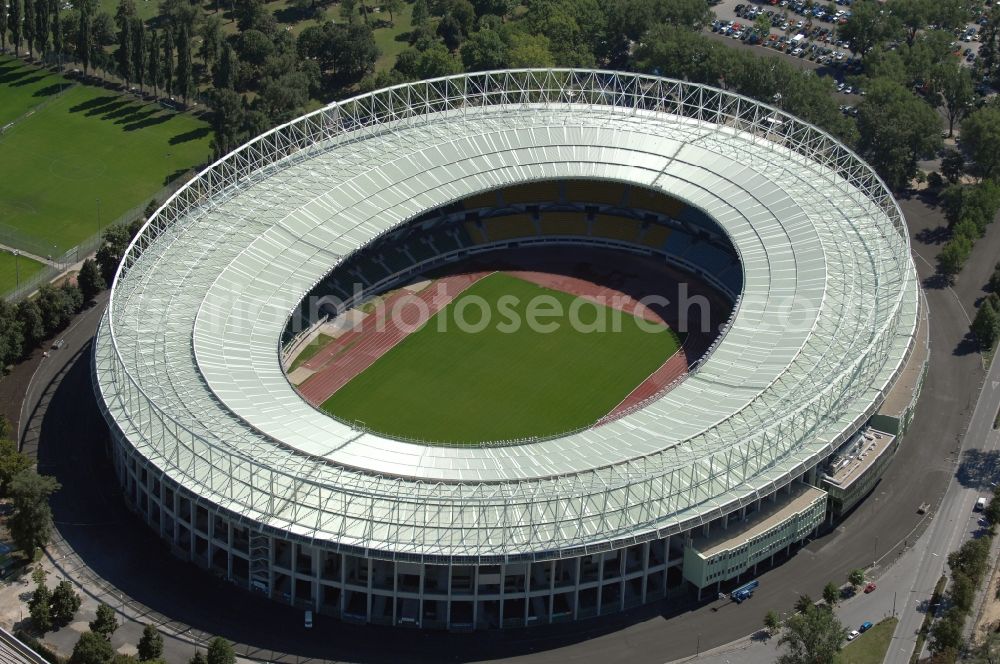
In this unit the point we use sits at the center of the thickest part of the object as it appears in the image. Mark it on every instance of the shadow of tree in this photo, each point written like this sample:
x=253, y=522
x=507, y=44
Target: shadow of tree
x=192, y=135
x=967, y=346
x=937, y=281
x=934, y=236
x=173, y=176
x=50, y=90
x=93, y=103
x=147, y=120
x=120, y=111
x=137, y=114
x=978, y=468
x=28, y=81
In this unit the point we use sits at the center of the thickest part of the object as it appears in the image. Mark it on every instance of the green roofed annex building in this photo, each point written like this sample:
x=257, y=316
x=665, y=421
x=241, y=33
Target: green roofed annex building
x=784, y=422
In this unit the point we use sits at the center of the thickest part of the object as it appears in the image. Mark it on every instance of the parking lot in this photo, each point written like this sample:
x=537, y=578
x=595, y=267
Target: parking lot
x=809, y=36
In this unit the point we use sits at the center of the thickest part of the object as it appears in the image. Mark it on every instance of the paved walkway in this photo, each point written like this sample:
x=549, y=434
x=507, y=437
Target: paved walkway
x=44, y=260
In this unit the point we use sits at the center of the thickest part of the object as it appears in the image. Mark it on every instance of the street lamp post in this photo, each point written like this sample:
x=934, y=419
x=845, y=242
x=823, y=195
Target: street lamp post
x=17, y=269
x=875, y=556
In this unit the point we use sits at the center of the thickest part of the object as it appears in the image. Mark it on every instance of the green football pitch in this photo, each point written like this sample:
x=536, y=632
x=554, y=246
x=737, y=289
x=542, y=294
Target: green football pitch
x=74, y=146
x=464, y=386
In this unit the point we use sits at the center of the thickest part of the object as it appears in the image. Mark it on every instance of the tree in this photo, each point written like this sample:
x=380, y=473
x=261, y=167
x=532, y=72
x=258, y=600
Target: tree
x=28, y=26
x=224, y=72
x=953, y=83
x=31, y=523
x=529, y=51
x=684, y=54
x=986, y=325
x=56, y=29
x=124, y=54
x=946, y=634
x=348, y=10
x=392, y=6
x=484, y=50
x=151, y=644
x=168, y=62
x=42, y=27
x=4, y=23
x=813, y=637
x=14, y=12
x=154, y=75
x=896, y=129
x=139, y=53
x=65, y=603
x=450, y=31
x=981, y=136
x=952, y=165
x=220, y=651
x=105, y=623
x=211, y=41
x=32, y=325
x=762, y=26
x=867, y=27
x=11, y=344
x=198, y=658
x=39, y=607
x=803, y=603
x=914, y=15
x=420, y=13
x=953, y=256
x=183, y=83
x=831, y=594
x=856, y=577
x=84, y=38
x=12, y=462
x=109, y=254
x=92, y=649
x=227, y=119
x=993, y=285
x=772, y=622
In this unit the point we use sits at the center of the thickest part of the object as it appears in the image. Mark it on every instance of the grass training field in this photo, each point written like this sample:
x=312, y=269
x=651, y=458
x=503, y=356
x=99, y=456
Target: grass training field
x=85, y=144
x=870, y=647
x=23, y=88
x=470, y=387
x=11, y=267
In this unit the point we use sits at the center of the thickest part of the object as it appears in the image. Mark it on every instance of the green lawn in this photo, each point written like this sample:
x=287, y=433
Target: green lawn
x=466, y=386
x=90, y=144
x=11, y=268
x=310, y=350
x=23, y=88
x=870, y=647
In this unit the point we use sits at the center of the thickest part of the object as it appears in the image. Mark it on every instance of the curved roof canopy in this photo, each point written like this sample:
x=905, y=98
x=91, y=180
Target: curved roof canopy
x=188, y=361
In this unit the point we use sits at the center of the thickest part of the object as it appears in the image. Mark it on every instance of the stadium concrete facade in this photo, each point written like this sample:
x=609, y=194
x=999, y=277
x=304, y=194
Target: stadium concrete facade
x=771, y=434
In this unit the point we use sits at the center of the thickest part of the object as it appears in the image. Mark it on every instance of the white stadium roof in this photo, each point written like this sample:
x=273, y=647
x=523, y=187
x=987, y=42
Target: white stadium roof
x=188, y=363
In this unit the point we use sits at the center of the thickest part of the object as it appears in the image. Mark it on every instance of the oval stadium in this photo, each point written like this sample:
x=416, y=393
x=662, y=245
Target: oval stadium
x=296, y=406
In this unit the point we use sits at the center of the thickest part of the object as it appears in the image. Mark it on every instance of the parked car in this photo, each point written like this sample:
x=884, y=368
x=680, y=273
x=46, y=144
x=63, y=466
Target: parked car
x=853, y=635
x=870, y=587
x=865, y=626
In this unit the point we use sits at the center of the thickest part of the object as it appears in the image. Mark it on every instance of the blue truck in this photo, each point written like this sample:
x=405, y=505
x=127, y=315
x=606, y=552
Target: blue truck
x=744, y=592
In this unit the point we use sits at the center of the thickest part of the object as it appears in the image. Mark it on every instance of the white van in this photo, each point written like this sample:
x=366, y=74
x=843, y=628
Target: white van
x=980, y=504
x=309, y=620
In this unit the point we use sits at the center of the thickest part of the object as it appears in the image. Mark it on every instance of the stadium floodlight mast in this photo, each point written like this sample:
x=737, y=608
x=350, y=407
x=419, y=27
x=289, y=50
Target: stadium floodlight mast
x=219, y=266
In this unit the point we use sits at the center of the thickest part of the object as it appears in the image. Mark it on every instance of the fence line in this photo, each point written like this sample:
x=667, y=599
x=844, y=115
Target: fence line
x=14, y=238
